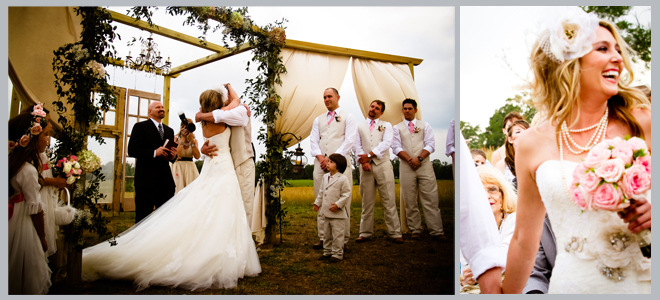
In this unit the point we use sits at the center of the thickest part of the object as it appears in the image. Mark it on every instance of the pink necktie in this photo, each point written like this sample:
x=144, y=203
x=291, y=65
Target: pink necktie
x=411, y=127
x=332, y=116
x=371, y=127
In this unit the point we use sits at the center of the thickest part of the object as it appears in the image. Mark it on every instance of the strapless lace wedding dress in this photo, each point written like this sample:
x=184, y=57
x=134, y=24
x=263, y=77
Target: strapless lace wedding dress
x=596, y=253
x=198, y=239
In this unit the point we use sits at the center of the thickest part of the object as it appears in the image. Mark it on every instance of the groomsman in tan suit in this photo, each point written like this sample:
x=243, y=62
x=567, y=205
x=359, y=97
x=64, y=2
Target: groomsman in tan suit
x=240, y=143
x=332, y=132
x=373, y=144
x=413, y=143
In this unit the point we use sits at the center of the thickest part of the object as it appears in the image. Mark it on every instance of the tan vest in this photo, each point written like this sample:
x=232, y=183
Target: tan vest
x=371, y=139
x=413, y=143
x=331, y=136
x=241, y=143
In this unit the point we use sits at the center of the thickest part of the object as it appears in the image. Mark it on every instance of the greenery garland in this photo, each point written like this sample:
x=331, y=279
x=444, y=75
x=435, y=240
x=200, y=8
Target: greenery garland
x=79, y=72
x=266, y=43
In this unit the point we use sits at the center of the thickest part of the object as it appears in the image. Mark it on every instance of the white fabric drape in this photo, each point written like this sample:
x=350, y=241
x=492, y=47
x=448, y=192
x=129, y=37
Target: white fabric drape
x=388, y=82
x=34, y=33
x=308, y=75
x=259, y=221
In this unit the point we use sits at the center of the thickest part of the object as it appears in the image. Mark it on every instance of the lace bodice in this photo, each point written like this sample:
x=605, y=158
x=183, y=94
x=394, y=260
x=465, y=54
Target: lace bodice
x=596, y=253
x=220, y=140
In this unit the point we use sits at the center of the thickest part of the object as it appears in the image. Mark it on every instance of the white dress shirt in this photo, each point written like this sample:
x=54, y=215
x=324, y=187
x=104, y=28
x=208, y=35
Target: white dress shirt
x=429, y=140
x=450, y=139
x=349, y=135
x=383, y=146
x=480, y=241
x=236, y=116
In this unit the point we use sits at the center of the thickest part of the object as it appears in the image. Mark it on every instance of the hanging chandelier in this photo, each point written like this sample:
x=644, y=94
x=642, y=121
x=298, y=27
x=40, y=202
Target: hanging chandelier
x=149, y=59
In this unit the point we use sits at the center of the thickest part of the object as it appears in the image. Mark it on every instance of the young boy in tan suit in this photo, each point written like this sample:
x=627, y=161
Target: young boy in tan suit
x=334, y=194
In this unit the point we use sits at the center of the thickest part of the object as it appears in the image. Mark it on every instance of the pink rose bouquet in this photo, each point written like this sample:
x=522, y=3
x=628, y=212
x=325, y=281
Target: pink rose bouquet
x=613, y=172
x=69, y=168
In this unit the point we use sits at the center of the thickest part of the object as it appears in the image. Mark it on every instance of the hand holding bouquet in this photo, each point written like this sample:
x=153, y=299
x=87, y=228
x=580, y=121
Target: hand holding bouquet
x=614, y=175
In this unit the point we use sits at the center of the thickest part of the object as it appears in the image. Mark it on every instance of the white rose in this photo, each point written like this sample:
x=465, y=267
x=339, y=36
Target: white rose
x=76, y=165
x=572, y=32
x=67, y=168
x=71, y=180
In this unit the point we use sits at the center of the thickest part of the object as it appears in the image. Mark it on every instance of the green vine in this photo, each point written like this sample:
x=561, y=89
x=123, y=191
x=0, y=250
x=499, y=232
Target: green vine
x=266, y=44
x=79, y=72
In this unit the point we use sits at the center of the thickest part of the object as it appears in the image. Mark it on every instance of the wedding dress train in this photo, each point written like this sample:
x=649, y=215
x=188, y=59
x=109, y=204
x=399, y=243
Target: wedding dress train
x=199, y=239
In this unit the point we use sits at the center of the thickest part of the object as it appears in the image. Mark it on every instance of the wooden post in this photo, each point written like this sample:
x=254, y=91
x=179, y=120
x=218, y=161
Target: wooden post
x=166, y=99
x=412, y=69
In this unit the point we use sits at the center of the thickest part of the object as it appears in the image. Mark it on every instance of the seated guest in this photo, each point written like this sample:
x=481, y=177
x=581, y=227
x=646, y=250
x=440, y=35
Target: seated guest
x=479, y=157
x=507, y=165
x=502, y=198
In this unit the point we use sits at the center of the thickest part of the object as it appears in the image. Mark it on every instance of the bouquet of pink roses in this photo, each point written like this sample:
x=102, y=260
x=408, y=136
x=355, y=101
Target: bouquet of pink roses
x=613, y=172
x=69, y=168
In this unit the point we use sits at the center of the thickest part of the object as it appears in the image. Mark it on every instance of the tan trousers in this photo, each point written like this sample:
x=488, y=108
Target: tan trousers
x=334, y=232
x=245, y=174
x=320, y=219
x=381, y=178
x=423, y=180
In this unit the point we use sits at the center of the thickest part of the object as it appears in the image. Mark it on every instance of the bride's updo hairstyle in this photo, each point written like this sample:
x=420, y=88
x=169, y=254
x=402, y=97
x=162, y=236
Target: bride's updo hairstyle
x=556, y=86
x=210, y=100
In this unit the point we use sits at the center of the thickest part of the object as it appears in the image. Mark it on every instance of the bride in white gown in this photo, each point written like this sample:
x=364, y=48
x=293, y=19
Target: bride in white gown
x=198, y=239
x=580, y=86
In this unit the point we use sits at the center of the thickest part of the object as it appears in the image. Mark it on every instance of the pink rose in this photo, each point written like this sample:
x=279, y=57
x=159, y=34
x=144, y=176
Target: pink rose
x=36, y=129
x=607, y=197
x=597, y=155
x=589, y=182
x=644, y=161
x=636, y=181
x=39, y=112
x=611, y=169
x=12, y=144
x=579, y=172
x=637, y=143
x=38, y=120
x=24, y=141
x=581, y=197
x=73, y=158
x=623, y=151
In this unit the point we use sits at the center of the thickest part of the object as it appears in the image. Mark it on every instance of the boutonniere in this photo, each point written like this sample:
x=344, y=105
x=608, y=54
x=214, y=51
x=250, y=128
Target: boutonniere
x=417, y=129
x=381, y=128
x=338, y=118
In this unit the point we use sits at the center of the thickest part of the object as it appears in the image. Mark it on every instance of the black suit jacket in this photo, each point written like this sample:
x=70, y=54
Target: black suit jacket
x=151, y=172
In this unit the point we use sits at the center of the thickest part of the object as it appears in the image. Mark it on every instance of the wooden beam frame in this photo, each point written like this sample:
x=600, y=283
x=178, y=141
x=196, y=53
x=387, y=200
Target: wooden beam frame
x=160, y=30
x=174, y=72
x=307, y=46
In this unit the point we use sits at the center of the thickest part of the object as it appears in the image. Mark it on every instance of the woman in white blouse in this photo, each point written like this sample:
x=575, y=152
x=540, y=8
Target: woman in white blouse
x=502, y=198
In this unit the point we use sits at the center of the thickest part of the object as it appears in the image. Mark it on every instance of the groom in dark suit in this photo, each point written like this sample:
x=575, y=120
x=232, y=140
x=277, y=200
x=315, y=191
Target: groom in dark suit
x=154, y=184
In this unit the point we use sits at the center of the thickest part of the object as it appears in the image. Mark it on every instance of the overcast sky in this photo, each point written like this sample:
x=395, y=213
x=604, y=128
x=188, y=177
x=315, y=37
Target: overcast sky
x=390, y=30
x=488, y=34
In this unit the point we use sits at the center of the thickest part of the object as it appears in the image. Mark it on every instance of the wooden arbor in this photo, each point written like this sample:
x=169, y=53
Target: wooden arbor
x=222, y=52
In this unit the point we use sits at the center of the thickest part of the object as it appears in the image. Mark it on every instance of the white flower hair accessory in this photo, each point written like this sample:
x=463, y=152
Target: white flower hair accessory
x=568, y=34
x=223, y=92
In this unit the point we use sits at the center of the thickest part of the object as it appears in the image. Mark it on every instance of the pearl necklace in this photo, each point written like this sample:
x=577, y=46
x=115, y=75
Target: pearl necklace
x=598, y=135
x=567, y=188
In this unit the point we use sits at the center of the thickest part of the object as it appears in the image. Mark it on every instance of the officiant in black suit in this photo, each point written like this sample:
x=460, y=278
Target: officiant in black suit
x=154, y=184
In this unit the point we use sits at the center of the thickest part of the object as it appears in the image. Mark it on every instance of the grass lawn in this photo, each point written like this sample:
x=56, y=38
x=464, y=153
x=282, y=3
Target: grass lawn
x=377, y=267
